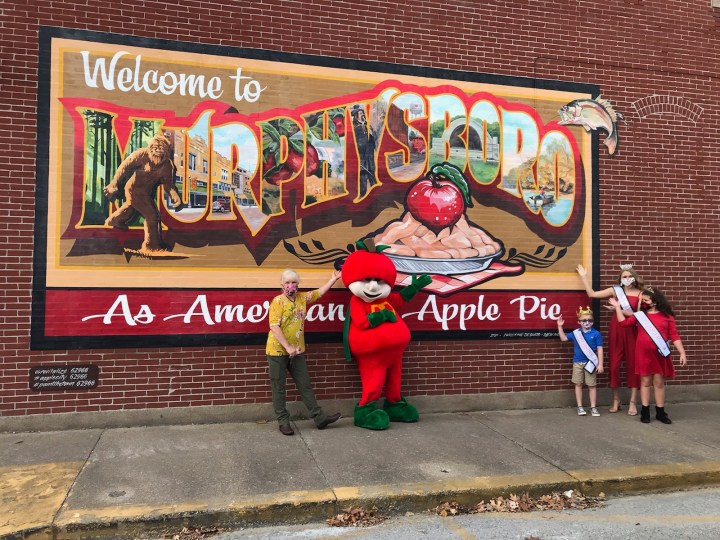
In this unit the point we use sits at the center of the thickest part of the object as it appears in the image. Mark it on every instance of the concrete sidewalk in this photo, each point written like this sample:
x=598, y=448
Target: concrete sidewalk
x=124, y=483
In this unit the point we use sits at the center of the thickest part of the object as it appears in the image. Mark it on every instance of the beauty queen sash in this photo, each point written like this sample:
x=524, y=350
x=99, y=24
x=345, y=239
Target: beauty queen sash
x=622, y=298
x=647, y=325
x=585, y=347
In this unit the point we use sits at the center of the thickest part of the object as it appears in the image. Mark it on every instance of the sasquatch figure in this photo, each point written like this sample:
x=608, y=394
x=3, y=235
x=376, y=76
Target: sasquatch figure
x=376, y=335
x=144, y=170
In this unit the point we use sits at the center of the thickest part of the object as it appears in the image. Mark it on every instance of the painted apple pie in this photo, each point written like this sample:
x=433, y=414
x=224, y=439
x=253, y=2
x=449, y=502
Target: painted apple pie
x=410, y=238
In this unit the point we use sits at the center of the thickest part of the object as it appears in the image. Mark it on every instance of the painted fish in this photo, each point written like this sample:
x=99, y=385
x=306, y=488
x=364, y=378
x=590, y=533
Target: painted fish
x=593, y=114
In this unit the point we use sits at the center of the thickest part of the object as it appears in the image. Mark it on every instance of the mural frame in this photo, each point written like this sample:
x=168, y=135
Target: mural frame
x=40, y=340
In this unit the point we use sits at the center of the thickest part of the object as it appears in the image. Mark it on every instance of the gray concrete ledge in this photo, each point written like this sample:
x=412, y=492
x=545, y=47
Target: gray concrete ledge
x=263, y=412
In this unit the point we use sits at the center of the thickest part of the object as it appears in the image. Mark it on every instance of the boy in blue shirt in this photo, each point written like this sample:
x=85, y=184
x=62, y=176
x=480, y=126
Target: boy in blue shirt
x=587, y=358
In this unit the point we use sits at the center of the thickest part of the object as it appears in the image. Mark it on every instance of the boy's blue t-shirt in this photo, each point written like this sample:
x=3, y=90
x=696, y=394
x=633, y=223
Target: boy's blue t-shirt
x=593, y=338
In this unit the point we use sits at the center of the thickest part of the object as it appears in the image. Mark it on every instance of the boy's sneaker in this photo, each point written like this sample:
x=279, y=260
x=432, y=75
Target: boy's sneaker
x=581, y=411
x=594, y=411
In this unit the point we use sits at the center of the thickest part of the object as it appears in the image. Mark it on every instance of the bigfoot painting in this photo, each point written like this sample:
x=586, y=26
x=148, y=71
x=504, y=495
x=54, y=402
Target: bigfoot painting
x=144, y=169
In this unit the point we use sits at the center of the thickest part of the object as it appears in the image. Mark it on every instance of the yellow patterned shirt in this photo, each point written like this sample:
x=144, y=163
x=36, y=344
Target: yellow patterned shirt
x=290, y=317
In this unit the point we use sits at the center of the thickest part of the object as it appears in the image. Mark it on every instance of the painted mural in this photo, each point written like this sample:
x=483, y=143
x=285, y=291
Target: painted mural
x=176, y=182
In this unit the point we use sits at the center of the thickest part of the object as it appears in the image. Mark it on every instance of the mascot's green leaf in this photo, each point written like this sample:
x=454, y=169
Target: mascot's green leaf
x=369, y=245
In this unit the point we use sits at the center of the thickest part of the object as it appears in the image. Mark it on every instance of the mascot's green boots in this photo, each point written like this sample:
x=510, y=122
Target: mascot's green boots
x=368, y=416
x=401, y=411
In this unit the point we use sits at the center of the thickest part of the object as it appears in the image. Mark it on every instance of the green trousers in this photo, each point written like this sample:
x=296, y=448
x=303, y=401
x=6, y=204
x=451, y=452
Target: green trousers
x=279, y=366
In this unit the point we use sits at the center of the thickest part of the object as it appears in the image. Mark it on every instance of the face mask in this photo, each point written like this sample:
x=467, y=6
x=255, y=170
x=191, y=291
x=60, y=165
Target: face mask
x=290, y=289
x=628, y=281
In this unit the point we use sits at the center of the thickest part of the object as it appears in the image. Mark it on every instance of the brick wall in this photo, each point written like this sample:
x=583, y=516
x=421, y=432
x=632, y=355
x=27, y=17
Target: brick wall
x=657, y=60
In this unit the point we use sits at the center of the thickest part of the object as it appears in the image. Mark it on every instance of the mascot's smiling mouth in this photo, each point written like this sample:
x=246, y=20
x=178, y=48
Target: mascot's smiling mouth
x=371, y=295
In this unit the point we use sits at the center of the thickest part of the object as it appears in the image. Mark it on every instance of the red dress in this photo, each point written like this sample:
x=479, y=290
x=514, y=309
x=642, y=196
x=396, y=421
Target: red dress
x=648, y=360
x=622, y=348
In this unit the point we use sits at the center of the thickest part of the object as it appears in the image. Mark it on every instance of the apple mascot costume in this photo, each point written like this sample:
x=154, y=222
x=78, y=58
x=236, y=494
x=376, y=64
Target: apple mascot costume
x=376, y=335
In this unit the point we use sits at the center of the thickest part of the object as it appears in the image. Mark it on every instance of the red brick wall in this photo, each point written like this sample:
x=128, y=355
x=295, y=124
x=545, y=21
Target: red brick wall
x=658, y=198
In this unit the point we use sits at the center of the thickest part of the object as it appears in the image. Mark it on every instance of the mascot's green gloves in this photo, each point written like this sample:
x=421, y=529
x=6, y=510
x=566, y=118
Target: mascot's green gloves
x=417, y=283
x=378, y=317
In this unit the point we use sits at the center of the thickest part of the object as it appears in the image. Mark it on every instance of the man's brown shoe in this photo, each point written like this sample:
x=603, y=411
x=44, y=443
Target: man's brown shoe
x=285, y=429
x=329, y=420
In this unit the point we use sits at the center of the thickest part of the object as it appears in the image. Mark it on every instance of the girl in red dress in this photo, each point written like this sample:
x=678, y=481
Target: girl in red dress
x=650, y=364
x=621, y=340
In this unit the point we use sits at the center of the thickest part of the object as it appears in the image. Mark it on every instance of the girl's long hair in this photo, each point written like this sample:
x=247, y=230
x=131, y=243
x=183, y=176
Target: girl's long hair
x=661, y=302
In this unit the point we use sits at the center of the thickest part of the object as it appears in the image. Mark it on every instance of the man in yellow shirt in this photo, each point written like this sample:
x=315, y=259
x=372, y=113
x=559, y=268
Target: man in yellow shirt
x=285, y=348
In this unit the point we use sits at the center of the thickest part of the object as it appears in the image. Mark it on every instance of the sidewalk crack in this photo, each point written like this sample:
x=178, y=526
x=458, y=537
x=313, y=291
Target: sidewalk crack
x=317, y=466
x=54, y=527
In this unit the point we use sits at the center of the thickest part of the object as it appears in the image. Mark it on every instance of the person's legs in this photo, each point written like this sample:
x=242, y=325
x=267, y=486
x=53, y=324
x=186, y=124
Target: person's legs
x=616, y=354
x=592, y=391
x=393, y=381
x=299, y=372
x=632, y=407
x=646, y=382
x=578, y=379
x=579, y=394
x=397, y=407
x=278, y=366
x=632, y=378
x=616, y=404
x=645, y=385
x=633, y=381
x=659, y=386
x=372, y=377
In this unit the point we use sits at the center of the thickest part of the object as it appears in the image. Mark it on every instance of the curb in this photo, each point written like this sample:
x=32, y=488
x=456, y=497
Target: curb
x=308, y=506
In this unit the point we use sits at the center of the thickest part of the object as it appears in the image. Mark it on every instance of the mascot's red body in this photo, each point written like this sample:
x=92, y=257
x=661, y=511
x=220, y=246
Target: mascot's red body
x=376, y=335
x=378, y=350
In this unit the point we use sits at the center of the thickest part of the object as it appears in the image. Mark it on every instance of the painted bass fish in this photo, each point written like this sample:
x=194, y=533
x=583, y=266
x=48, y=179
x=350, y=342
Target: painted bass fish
x=593, y=114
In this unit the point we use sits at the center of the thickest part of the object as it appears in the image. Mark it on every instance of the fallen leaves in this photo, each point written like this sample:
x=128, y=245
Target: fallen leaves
x=451, y=508
x=192, y=533
x=524, y=503
x=357, y=516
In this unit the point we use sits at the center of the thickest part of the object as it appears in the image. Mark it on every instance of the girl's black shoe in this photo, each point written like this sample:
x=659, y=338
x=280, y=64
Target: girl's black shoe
x=661, y=415
x=645, y=414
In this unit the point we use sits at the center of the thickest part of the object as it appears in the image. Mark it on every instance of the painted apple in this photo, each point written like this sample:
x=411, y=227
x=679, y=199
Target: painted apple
x=273, y=174
x=292, y=165
x=439, y=200
x=339, y=122
x=294, y=161
x=311, y=160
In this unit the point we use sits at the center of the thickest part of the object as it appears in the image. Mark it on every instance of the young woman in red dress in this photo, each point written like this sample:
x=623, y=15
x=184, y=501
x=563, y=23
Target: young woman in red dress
x=621, y=340
x=651, y=364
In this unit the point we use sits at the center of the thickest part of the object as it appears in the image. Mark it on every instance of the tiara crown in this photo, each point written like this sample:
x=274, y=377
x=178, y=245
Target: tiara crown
x=624, y=267
x=585, y=311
